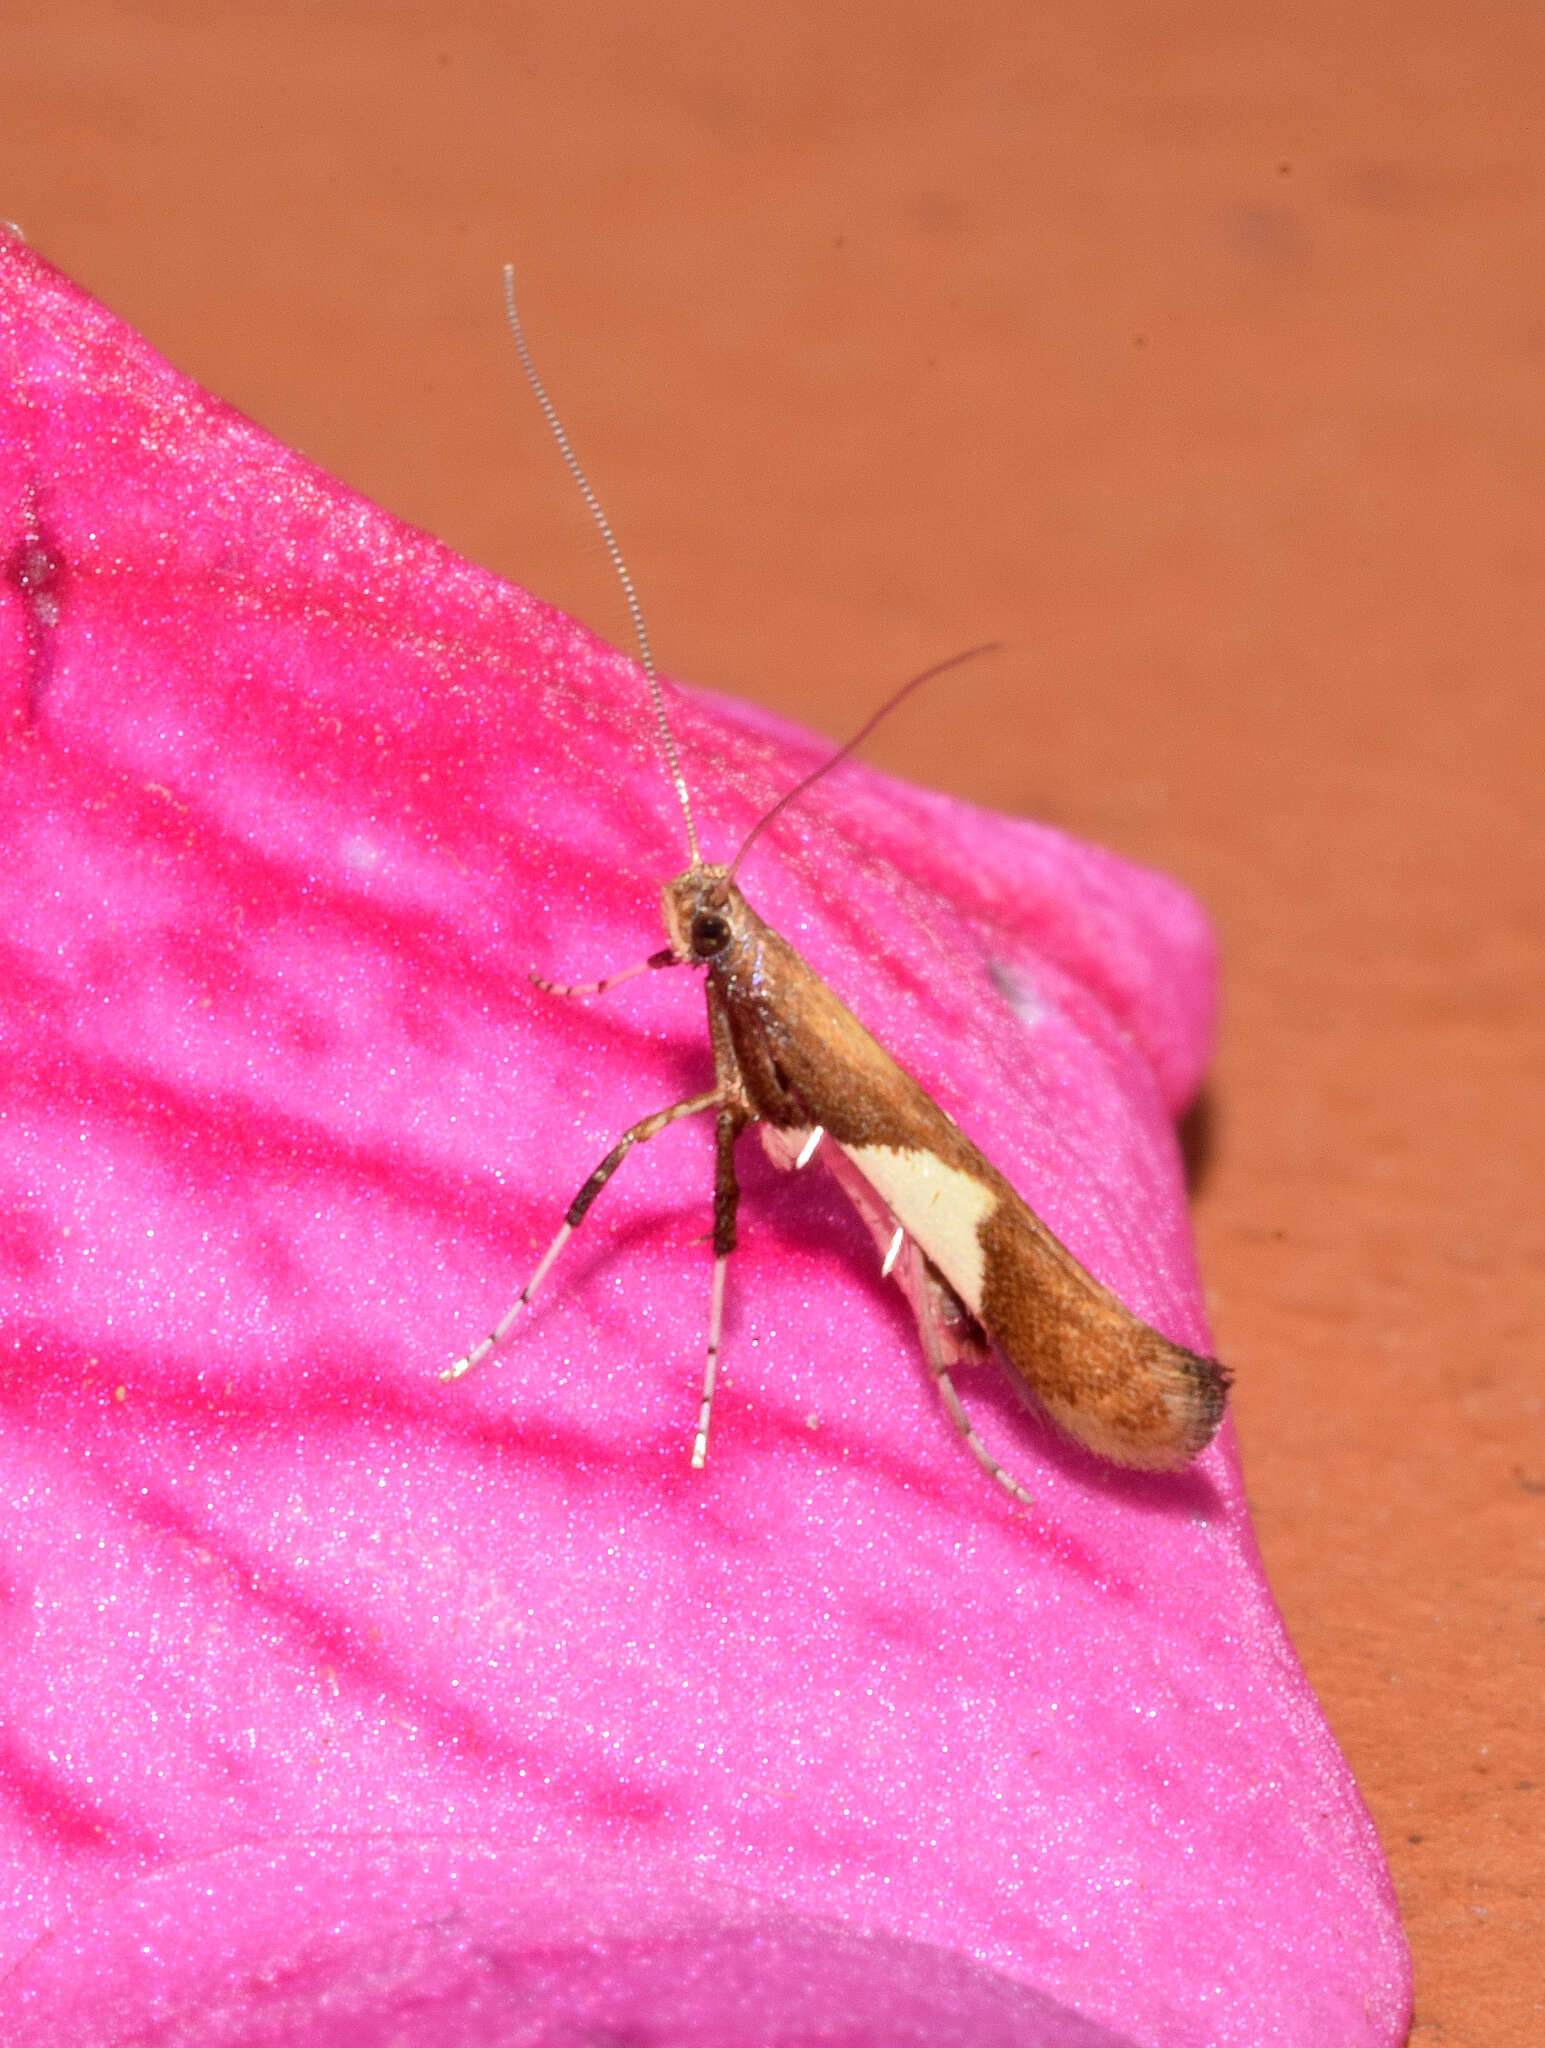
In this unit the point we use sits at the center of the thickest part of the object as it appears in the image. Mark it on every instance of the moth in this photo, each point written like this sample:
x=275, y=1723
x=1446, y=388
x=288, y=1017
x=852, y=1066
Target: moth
x=977, y=1266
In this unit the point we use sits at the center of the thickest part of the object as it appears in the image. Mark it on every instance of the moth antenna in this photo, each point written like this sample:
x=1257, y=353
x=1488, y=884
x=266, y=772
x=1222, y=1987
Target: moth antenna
x=897, y=697
x=593, y=503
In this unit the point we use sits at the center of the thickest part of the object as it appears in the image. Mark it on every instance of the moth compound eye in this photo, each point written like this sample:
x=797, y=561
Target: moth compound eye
x=708, y=934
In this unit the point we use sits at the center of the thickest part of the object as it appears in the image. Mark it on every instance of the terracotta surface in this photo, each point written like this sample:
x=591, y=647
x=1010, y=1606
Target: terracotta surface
x=1199, y=358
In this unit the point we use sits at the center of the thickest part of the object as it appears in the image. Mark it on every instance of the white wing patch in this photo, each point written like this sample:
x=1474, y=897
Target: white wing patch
x=938, y=1205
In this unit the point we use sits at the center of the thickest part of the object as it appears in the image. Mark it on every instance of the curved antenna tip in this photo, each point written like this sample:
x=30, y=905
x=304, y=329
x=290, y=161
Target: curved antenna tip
x=896, y=697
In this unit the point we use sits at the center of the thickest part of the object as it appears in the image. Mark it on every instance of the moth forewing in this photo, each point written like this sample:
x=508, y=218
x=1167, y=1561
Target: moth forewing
x=804, y=1063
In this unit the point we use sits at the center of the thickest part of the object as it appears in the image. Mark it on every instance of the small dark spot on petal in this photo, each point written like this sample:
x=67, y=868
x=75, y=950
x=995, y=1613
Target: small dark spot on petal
x=39, y=575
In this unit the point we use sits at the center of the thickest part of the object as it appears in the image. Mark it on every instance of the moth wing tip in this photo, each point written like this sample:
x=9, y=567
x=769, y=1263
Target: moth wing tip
x=1182, y=1398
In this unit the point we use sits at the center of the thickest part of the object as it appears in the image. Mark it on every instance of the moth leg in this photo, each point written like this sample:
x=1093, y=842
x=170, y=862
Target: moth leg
x=947, y=1339
x=973, y=1442
x=664, y=958
x=949, y=1333
x=648, y=1128
x=726, y=1206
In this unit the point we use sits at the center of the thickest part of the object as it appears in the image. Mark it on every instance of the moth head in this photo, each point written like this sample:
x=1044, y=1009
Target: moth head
x=703, y=911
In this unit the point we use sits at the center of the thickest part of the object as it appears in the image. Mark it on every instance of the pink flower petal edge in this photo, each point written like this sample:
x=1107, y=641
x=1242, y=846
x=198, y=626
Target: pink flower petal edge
x=344, y=1706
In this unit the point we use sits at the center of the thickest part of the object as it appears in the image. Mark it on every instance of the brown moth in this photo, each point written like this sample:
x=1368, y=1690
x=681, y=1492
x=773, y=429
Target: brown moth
x=978, y=1267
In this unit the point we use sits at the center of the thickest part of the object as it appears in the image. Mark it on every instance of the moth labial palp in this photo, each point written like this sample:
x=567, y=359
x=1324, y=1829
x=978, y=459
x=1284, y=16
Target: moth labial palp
x=976, y=1265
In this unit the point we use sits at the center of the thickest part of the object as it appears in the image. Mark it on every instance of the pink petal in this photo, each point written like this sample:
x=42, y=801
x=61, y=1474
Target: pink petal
x=344, y=1706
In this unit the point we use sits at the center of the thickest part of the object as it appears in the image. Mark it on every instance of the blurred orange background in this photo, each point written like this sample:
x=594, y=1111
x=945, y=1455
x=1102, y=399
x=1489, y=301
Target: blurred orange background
x=1199, y=354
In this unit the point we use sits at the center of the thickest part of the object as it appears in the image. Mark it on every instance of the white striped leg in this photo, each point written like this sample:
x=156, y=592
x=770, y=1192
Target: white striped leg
x=641, y=1132
x=711, y=1368
x=726, y=1209
x=664, y=958
x=502, y=1328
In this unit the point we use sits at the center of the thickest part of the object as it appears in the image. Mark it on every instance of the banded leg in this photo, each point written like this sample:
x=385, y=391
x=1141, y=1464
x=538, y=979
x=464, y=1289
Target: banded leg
x=640, y=1133
x=726, y=1207
x=664, y=958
